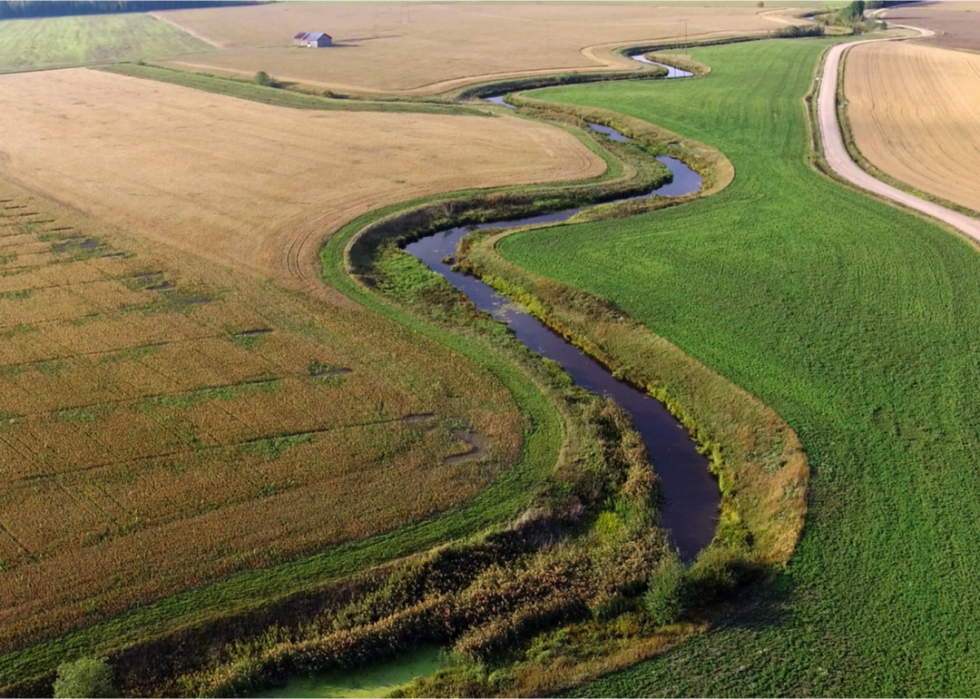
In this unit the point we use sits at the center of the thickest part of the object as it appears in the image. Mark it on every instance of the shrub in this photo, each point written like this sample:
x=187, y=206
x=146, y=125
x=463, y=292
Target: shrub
x=718, y=574
x=263, y=78
x=666, y=599
x=794, y=32
x=87, y=677
x=853, y=12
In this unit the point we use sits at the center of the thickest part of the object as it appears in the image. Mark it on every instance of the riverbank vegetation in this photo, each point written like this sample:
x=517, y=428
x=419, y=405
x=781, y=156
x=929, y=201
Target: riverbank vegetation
x=588, y=540
x=856, y=323
x=507, y=653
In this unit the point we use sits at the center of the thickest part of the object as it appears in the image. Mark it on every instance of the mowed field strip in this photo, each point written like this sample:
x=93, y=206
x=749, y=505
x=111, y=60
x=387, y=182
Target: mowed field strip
x=56, y=42
x=427, y=48
x=251, y=186
x=914, y=113
x=164, y=422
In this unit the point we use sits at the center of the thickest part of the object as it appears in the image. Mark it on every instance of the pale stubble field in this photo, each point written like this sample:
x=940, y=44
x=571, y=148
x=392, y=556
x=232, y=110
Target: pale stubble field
x=427, y=48
x=251, y=186
x=913, y=114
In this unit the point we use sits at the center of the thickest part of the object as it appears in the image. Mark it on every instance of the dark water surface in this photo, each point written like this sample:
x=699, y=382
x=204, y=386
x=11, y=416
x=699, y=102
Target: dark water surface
x=690, y=491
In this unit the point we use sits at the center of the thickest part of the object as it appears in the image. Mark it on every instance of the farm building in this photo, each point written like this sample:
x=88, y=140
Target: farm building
x=313, y=40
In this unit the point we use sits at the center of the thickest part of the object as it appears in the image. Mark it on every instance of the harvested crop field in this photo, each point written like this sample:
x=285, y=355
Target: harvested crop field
x=957, y=24
x=433, y=47
x=913, y=112
x=166, y=422
x=246, y=185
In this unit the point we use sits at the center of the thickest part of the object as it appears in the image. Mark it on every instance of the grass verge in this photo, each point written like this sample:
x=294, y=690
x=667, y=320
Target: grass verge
x=855, y=322
x=280, y=97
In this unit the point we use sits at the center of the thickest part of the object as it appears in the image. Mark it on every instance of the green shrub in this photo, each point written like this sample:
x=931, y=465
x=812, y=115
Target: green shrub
x=87, y=677
x=263, y=78
x=794, y=31
x=666, y=599
x=853, y=12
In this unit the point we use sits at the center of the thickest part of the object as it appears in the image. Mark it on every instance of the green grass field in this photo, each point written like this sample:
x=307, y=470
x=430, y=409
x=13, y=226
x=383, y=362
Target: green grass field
x=859, y=325
x=59, y=42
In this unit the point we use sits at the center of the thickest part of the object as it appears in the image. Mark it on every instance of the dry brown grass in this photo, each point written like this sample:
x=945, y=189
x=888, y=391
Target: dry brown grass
x=913, y=113
x=251, y=186
x=428, y=48
x=148, y=446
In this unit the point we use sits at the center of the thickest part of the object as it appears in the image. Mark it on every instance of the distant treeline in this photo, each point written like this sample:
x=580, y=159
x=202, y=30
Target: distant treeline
x=18, y=9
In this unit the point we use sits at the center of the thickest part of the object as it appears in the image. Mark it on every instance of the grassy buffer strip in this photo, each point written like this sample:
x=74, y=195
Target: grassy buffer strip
x=369, y=246
x=763, y=475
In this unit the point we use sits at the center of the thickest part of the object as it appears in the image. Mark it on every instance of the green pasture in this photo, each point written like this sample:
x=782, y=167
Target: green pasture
x=860, y=325
x=59, y=42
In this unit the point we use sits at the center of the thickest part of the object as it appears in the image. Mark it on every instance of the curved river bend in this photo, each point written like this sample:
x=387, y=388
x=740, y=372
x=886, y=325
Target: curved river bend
x=690, y=492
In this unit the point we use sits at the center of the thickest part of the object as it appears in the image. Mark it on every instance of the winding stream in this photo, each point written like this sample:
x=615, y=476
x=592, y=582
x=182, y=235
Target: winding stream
x=691, y=496
x=690, y=492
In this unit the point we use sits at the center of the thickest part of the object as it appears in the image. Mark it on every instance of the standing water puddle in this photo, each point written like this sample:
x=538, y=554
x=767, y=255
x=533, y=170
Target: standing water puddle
x=374, y=680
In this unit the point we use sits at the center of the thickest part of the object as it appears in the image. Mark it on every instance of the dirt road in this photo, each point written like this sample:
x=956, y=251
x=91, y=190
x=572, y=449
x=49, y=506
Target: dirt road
x=841, y=163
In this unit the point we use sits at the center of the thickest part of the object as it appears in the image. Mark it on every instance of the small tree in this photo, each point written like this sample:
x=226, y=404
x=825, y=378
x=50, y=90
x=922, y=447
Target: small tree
x=666, y=598
x=263, y=78
x=87, y=677
x=853, y=12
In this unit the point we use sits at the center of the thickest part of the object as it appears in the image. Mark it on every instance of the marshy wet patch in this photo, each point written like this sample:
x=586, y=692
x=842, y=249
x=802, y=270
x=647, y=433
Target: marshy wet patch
x=477, y=442
x=162, y=286
x=176, y=299
x=148, y=281
x=419, y=418
x=79, y=244
x=319, y=370
x=375, y=680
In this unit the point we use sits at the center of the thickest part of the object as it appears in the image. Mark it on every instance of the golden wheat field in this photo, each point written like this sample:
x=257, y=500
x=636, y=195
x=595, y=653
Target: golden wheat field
x=251, y=186
x=427, y=48
x=914, y=114
x=164, y=422
x=165, y=405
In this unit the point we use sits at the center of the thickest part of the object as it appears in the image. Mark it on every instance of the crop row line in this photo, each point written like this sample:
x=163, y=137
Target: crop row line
x=27, y=481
